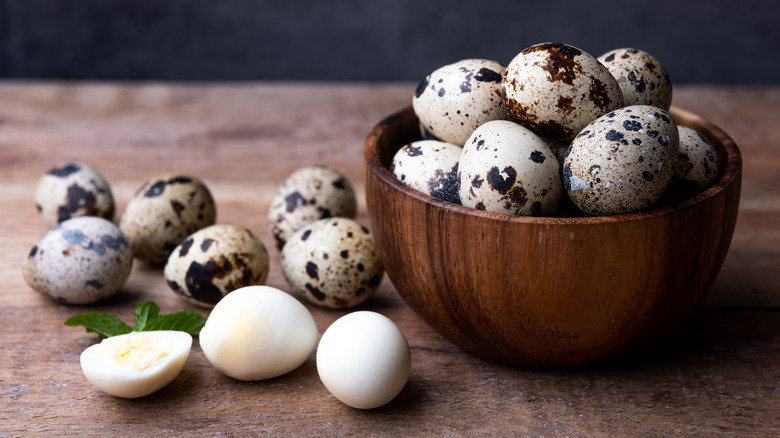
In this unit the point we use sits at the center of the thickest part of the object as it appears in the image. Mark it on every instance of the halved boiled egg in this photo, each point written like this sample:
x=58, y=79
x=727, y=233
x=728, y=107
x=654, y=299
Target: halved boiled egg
x=136, y=364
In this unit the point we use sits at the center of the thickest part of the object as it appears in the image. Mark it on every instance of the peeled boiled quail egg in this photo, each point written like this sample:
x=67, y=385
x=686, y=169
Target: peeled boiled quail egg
x=136, y=364
x=430, y=167
x=257, y=333
x=363, y=359
x=556, y=89
x=307, y=195
x=456, y=98
x=506, y=168
x=642, y=79
x=623, y=161
x=73, y=189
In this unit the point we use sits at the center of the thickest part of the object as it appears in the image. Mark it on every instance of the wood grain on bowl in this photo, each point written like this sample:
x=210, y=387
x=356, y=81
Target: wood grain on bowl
x=553, y=291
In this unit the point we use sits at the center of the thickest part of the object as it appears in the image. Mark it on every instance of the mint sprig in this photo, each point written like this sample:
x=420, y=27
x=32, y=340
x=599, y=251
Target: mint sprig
x=147, y=318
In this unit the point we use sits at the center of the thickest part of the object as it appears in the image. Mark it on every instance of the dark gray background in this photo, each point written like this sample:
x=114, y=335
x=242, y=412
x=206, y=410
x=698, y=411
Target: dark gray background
x=734, y=42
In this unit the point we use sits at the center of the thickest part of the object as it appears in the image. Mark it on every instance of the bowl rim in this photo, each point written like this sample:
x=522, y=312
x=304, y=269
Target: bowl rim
x=732, y=169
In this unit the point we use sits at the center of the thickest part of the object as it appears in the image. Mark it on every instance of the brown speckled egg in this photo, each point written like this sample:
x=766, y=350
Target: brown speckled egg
x=70, y=190
x=506, y=168
x=456, y=98
x=333, y=263
x=163, y=212
x=80, y=261
x=697, y=164
x=642, y=79
x=623, y=161
x=430, y=167
x=556, y=89
x=307, y=195
x=215, y=261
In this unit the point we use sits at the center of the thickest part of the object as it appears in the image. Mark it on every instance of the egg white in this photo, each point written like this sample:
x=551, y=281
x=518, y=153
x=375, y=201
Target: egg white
x=119, y=381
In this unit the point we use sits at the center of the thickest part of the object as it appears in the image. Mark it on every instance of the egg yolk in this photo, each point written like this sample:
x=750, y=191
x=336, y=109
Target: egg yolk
x=136, y=352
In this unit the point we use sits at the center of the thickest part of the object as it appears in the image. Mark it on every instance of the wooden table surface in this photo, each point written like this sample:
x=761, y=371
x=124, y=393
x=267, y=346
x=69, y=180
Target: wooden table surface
x=716, y=374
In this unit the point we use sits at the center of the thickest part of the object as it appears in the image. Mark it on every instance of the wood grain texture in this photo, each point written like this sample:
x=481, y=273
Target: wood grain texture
x=716, y=374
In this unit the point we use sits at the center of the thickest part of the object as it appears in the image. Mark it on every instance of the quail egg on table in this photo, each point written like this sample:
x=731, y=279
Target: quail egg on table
x=258, y=333
x=136, y=364
x=363, y=359
x=623, y=161
x=214, y=261
x=506, y=168
x=333, y=263
x=456, y=98
x=307, y=195
x=556, y=89
x=163, y=212
x=697, y=164
x=642, y=79
x=80, y=261
x=70, y=190
x=430, y=167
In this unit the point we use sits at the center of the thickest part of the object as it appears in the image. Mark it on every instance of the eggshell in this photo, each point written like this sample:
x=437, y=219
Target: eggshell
x=642, y=79
x=163, y=212
x=556, y=89
x=456, y=98
x=333, y=263
x=80, y=261
x=697, y=165
x=307, y=195
x=71, y=190
x=214, y=261
x=430, y=167
x=363, y=359
x=506, y=168
x=623, y=161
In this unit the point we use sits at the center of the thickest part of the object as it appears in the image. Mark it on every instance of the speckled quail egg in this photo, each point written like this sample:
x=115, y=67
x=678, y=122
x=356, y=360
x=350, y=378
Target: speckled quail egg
x=163, y=212
x=70, y=190
x=642, y=79
x=80, y=261
x=430, y=167
x=556, y=89
x=623, y=161
x=307, y=195
x=333, y=263
x=697, y=165
x=456, y=98
x=215, y=261
x=506, y=168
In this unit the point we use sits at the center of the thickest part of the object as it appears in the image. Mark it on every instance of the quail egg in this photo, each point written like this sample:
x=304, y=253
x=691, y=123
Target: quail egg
x=642, y=79
x=430, y=167
x=163, y=212
x=136, y=364
x=623, y=161
x=363, y=359
x=80, y=261
x=456, y=98
x=214, y=261
x=333, y=263
x=697, y=165
x=70, y=190
x=506, y=168
x=556, y=89
x=258, y=333
x=307, y=195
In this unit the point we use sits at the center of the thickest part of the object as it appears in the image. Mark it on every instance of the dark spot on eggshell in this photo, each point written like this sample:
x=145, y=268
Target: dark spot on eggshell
x=175, y=287
x=344, y=254
x=324, y=212
x=637, y=141
x=632, y=125
x=537, y=157
x=312, y=270
x=567, y=177
x=637, y=82
x=598, y=93
x=94, y=283
x=480, y=206
x=652, y=133
x=340, y=183
x=477, y=181
x=613, y=135
x=199, y=280
x=422, y=86
x=465, y=86
x=517, y=196
x=33, y=252
x=293, y=201
x=185, y=247
x=316, y=292
x=177, y=207
x=77, y=198
x=365, y=230
x=204, y=246
x=65, y=170
x=159, y=187
x=610, y=57
x=663, y=140
x=442, y=92
x=647, y=176
x=444, y=186
x=487, y=75
x=413, y=151
x=360, y=267
x=560, y=65
x=498, y=182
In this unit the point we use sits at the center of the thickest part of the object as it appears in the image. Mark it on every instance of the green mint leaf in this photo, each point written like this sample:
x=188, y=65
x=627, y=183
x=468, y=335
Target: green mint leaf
x=104, y=324
x=186, y=321
x=144, y=314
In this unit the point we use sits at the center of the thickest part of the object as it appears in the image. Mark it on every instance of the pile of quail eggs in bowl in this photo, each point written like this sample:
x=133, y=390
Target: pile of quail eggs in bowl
x=555, y=132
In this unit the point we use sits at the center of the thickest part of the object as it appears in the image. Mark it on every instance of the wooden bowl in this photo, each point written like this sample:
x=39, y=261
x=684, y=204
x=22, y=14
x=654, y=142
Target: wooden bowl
x=548, y=292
